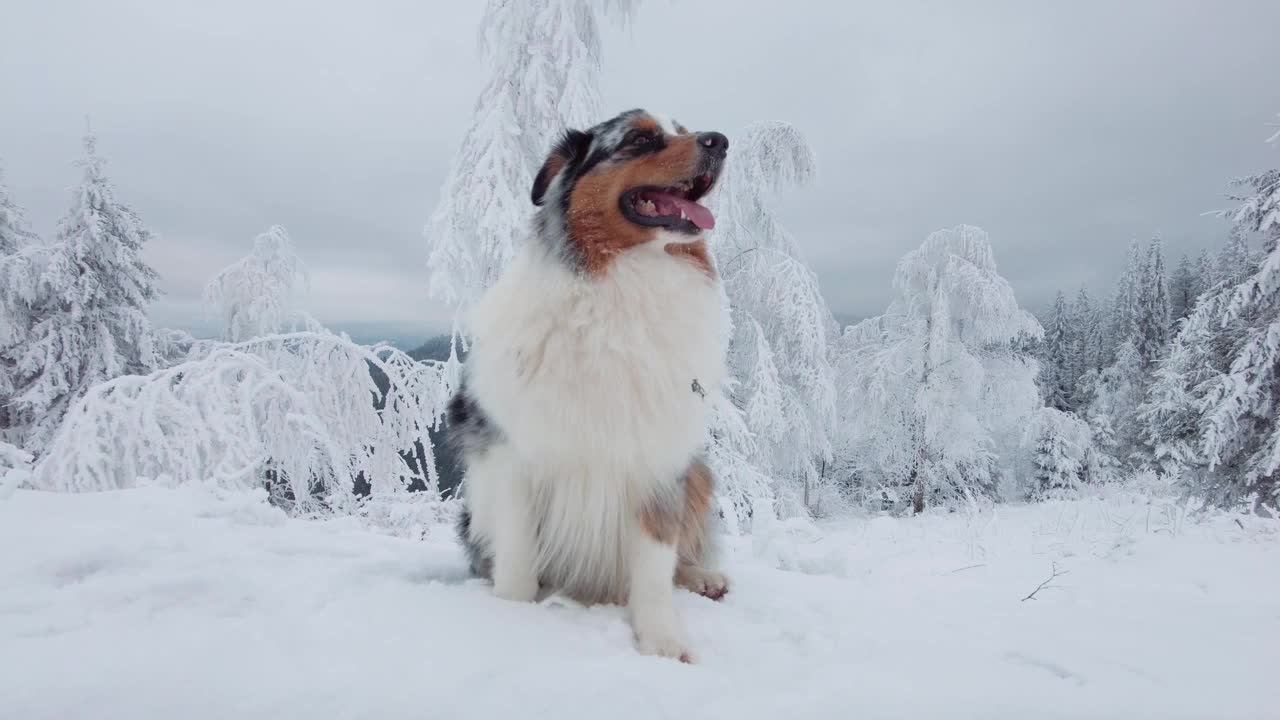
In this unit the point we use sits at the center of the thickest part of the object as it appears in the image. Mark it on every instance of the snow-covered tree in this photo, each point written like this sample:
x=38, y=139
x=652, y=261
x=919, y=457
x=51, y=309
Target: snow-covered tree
x=778, y=352
x=14, y=231
x=89, y=294
x=1113, y=396
x=313, y=416
x=1087, y=322
x=1205, y=273
x=1235, y=260
x=1140, y=326
x=543, y=60
x=1241, y=423
x=15, y=316
x=1151, y=331
x=1170, y=417
x=1056, y=361
x=1061, y=444
x=256, y=295
x=1125, y=303
x=731, y=453
x=914, y=378
x=1183, y=290
x=1214, y=410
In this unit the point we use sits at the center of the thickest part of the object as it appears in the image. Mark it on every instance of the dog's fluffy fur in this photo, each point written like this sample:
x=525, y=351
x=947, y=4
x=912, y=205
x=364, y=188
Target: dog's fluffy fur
x=582, y=415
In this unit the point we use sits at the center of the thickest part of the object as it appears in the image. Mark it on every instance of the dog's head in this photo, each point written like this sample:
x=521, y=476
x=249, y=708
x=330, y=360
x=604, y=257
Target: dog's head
x=625, y=181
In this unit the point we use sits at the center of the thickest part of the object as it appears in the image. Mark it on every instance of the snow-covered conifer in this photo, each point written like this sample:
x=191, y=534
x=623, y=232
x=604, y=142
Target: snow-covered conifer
x=1056, y=363
x=1125, y=302
x=1182, y=290
x=1241, y=422
x=89, y=303
x=1087, y=351
x=1214, y=409
x=1235, y=260
x=1061, y=444
x=15, y=315
x=1151, y=331
x=14, y=231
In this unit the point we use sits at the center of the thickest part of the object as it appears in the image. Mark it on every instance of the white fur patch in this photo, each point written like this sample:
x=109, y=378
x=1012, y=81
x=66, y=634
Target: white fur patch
x=665, y=122
x=590, y=380
x=653, y=616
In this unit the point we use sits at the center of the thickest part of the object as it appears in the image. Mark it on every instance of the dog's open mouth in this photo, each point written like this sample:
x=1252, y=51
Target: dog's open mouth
x=675, y=207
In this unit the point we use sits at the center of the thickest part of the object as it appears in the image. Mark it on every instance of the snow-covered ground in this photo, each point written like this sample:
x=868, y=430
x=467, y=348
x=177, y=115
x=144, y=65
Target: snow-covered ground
x=161, y=603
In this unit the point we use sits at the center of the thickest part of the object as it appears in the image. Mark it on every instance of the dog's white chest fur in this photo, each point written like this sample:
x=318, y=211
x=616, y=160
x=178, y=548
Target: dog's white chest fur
x=598, y=389
x=614, y=372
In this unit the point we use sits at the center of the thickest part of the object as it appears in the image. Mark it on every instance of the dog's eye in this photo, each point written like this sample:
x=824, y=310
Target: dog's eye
x=640, y=139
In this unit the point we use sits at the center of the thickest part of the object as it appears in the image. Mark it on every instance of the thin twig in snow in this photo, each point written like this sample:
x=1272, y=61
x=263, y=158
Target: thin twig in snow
x=1045, y=584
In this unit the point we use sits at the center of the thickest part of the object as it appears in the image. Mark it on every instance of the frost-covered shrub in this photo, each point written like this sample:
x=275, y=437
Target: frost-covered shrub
x=303, y=413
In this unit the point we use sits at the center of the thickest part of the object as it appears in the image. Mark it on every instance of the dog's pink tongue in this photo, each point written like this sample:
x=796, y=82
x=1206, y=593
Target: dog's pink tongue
x=671, y=204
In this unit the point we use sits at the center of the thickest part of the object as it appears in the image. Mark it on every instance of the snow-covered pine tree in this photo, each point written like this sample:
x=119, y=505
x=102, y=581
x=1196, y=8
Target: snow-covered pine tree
x=1182, y=290
x=1125, y=303
x=1152, y=322
x=779, y=350
x=1140, y=326
x=15, y=317
x=1241, y=421
x=14, y=231
x=1169, y=419
x=1236, y=260
x=543, y=59
x=1214, y=409
x=1060, y=455
x=1086, y=320
x=89, y=305
x=1204, y=274
x=1113, y=396
x=255, y=295
x=1056, y=363
x=913, y=380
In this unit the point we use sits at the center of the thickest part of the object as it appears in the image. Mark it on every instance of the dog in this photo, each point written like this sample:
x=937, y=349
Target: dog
x=581, y=417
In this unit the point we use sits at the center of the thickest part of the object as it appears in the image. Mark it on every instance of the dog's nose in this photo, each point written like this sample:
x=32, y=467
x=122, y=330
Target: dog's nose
x=715, y=143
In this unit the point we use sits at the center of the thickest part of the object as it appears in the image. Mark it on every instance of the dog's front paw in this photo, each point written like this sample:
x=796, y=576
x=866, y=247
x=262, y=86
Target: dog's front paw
x=707, y=583
x=663, y=643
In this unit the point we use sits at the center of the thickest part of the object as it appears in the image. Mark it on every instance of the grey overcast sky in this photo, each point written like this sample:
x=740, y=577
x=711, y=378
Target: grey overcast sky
x=1064, y=128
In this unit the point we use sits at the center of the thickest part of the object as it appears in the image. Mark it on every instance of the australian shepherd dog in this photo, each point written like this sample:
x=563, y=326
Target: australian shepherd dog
x=582, y=414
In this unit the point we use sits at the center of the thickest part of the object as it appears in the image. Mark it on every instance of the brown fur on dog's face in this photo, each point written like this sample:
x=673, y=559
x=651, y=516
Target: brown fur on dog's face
x=600, y=180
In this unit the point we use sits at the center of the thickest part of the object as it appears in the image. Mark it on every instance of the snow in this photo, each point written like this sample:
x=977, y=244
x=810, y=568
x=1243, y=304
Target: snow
x=195, y=602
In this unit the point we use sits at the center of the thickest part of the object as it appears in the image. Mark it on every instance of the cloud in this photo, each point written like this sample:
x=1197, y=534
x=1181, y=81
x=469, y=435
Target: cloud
x=1064, y=129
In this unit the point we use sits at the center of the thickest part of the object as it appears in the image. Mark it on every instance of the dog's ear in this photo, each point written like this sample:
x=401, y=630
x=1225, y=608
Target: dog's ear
x=567, y=153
